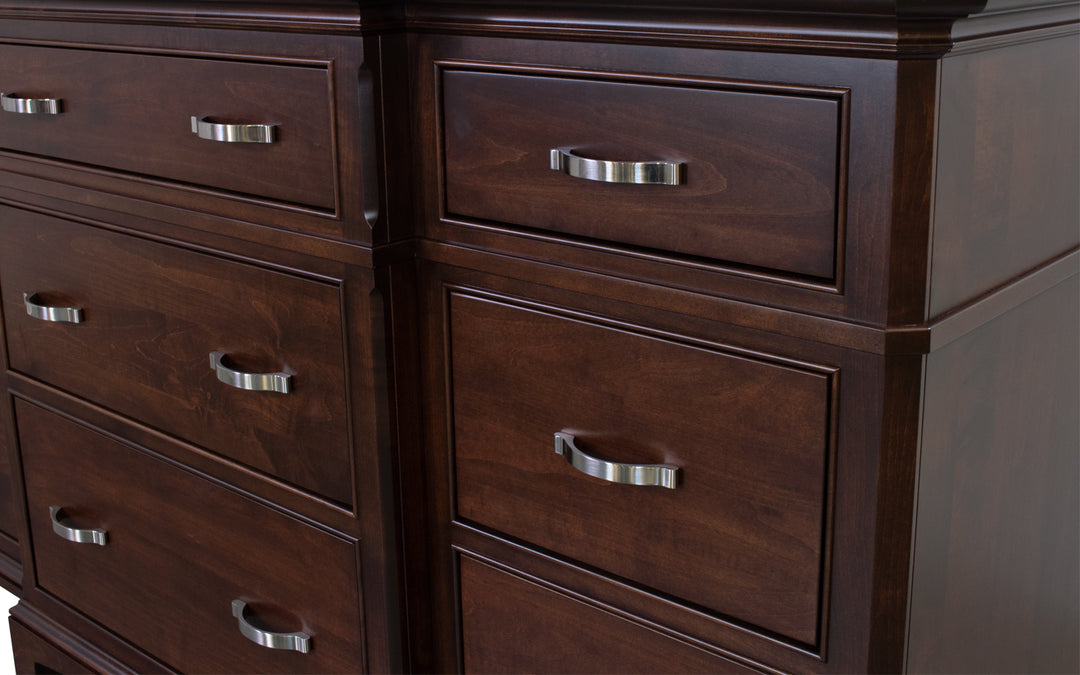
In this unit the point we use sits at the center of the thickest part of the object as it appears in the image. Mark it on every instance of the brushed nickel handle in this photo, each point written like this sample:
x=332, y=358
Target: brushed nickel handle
x=49, y=312
x=75, y=534
x=279, y=382
x=13, y=103
x=297, y=642
x=232, y=133
x=607, y=171
x=659, y=475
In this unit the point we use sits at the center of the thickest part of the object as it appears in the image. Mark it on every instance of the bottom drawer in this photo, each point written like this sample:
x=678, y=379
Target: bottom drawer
x=165, y=556
x=510, y=624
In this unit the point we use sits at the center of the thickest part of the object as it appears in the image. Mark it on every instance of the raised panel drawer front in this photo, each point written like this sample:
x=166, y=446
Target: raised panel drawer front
x=738, y=174
x=514, y=625
x=173, y=553
x=563, y=427
x=256, y=128
x=182, y=341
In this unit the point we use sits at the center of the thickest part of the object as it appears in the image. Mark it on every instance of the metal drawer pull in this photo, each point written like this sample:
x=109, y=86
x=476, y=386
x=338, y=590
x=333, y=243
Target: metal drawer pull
x=279, y=382
x=48, y=313
x=605, y=171
x=79, y=536
x=232, y=133
x=297, y=642
x=29, y=106
x=660, y=475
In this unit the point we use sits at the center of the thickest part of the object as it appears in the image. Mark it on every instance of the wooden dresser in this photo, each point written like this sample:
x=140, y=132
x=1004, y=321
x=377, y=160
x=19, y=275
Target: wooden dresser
x=694, y=336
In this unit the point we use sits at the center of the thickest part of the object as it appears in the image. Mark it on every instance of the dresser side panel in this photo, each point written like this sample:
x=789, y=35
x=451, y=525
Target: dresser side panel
x=995, y=564
x=1007, y=169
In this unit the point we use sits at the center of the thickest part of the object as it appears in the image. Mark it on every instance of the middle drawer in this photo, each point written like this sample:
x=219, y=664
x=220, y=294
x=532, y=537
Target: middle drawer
x=177, y=339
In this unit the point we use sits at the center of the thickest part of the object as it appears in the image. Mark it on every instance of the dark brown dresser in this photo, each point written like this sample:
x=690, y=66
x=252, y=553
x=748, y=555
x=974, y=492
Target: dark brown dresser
x=646, y=337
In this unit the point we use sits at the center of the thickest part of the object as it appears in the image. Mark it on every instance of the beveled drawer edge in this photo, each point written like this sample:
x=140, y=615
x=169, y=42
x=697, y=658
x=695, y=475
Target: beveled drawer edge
x=840, y=95
x=150, y=441
x=482, y=546
x=346, y=20
x=326, y=64
x=832, y=375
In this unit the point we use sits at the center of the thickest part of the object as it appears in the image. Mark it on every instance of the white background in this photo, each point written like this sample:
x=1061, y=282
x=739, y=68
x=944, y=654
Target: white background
x=7, y=666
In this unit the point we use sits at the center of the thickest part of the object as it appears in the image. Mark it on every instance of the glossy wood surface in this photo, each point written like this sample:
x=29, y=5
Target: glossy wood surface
x=457, y=302
x=560, y=633
x=760, y=163
x=180, y=549
x=1007, y=169
x=153, y=315
x=34, y=654
x=998, y=464
x=741, y=534
x=133, y=112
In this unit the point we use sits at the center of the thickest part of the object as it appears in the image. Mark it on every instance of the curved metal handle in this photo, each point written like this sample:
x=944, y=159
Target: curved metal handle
x=607, y=171
x=13, y=103
x=297, y=642
x=659, y=475
x=51, y=313
x=232, y=133
x=279, y=382
x=77, y=535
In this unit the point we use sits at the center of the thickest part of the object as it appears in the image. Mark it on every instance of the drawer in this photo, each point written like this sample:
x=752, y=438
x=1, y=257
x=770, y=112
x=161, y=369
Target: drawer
x=153, y=315
x=133, y=112
x=759, y=171
x=178, y=551
x=740, y=534
x=512, y=625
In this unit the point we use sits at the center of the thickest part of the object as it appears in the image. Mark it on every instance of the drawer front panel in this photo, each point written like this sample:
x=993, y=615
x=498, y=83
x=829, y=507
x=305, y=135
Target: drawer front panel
x=761, y=174
x=133, y=112
x=152, y=316
x=511, y=625
x=178, y=550
x=741, y=535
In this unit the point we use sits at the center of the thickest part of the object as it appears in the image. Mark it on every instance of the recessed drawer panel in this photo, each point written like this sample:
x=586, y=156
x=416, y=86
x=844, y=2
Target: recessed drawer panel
x=756, y=175
x=133, y=112
x=159, y=555
x=180, y=340
x=556, y=418
x=512, y=625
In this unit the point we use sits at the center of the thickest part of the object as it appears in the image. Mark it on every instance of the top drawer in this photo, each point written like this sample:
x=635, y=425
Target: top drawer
x=134, y=112
x=758, y=169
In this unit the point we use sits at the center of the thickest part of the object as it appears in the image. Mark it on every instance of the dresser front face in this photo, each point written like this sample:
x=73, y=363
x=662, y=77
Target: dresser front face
x=189, y=388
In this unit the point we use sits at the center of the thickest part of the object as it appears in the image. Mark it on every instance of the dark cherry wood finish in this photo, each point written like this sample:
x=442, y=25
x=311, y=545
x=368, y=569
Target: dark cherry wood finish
x=293, y=576
x=854, y=328
x=132, y=112
x=760, y=165
x=152, y=316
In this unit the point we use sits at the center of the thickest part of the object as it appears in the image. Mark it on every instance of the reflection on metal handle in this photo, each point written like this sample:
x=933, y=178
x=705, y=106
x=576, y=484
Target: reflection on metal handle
x=297, y=642
x=278, y=382
x=79, y=536
x=660, y=475
x=29, y=106
x=48, y=313
x=605, y=171
x=232, y=133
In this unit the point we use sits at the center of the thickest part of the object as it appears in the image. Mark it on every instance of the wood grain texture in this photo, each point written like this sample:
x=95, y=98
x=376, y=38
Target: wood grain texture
x=996, y=572
x=512, y=625
x=1007, y=167
x=761, y=163
x=153, y=315
x=132, y=112
x=34, y=654
x=740, y=536
x=180, y=549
